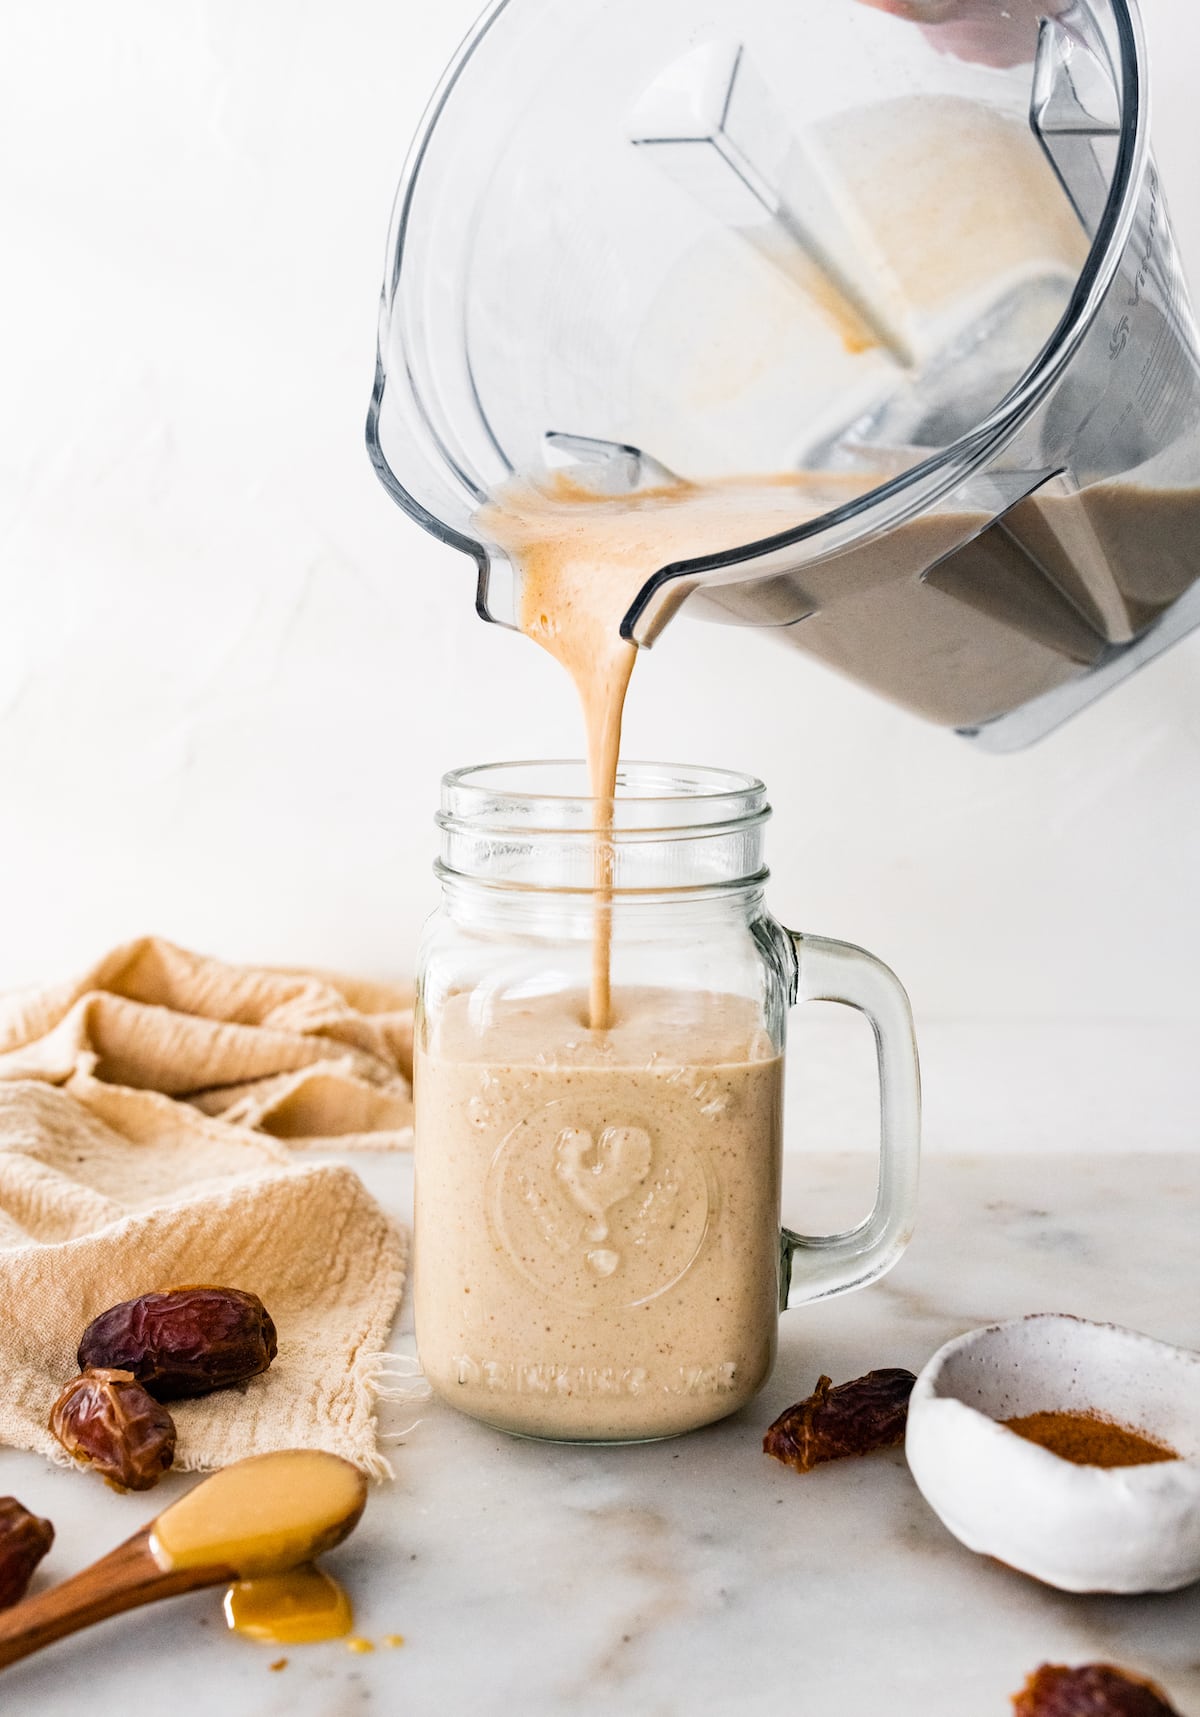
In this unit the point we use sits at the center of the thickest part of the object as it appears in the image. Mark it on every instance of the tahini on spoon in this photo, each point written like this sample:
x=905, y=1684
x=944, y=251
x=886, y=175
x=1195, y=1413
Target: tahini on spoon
x=258, y=1517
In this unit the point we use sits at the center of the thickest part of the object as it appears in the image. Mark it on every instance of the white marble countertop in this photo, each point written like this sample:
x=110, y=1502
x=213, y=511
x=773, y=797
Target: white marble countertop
x=695, y=1577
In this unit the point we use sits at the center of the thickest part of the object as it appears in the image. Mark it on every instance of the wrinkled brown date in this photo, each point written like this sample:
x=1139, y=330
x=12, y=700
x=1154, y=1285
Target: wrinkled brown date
x=1094, y=1690
x=107, y=1420
x=188, y=1341
x=852, y=1419
x=24, y=1540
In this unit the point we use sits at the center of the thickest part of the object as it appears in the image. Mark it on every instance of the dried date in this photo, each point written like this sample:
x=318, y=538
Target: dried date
x=105, y=1419
x=1093, y=1690
x=188, y=1341
x=24, y=1540
x=853, y=1419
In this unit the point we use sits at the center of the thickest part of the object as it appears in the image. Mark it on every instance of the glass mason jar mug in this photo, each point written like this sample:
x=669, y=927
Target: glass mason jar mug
x=598, y=1253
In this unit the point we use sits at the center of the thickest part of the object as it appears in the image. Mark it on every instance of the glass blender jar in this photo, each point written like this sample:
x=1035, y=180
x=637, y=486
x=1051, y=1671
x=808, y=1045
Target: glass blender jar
x=655, y=240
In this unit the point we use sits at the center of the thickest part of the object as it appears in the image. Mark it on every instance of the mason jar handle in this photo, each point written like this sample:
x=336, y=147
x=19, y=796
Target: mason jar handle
x=835, y=1263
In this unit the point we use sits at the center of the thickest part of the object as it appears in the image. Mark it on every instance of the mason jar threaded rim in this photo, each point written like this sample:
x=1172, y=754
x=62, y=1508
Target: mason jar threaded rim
x=535, y=824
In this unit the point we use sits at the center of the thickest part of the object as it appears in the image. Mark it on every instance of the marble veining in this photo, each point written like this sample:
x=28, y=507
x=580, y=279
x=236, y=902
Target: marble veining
x=696, y=1578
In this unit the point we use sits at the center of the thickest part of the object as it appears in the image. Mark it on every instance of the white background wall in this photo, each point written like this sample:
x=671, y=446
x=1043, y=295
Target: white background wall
x=231, y=672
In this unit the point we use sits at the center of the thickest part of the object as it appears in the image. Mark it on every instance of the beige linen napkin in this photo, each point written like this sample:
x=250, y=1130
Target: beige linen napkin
x=305, y=1056
x=128, y=1164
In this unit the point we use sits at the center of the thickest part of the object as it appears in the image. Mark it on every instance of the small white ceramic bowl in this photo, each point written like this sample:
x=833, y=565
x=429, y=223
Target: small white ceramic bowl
x=1080, y=1528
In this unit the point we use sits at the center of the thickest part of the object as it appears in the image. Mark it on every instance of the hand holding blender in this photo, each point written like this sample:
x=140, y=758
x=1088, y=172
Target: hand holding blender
x=985, y=32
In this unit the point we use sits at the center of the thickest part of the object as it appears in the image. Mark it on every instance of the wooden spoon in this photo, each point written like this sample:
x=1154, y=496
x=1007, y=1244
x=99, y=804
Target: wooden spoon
x=126, y=1577
x=261, y=1516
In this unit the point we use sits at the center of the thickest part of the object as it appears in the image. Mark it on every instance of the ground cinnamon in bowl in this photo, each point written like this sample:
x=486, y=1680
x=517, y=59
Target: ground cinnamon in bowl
x=1089, y=1440
x=1101, y=1496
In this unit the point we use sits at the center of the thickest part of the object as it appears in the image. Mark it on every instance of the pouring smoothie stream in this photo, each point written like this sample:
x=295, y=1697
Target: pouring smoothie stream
x=582, y=559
